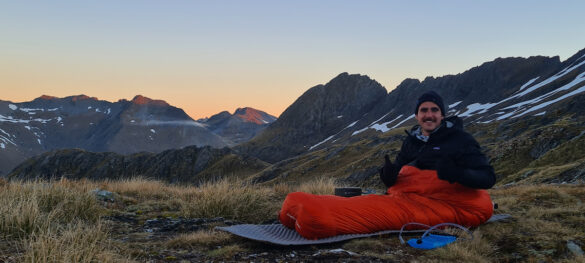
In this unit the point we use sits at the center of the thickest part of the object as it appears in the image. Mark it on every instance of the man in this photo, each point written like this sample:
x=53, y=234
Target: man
x=439, y=143
x=442, y=171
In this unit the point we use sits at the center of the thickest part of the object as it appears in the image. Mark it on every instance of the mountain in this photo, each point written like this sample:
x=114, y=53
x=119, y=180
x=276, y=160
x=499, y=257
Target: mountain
x=48, y=123
x=239, y=127
x=321, y=112
x=500, y=90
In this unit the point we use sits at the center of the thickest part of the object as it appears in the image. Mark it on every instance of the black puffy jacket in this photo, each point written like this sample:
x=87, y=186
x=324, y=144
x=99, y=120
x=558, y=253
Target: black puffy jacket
x=449, y=141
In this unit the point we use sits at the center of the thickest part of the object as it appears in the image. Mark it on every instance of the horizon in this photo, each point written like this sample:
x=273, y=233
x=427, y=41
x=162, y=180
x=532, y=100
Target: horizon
x=208, y=57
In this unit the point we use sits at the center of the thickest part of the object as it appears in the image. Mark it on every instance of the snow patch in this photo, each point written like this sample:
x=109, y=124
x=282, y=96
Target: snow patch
x=340, y=116
x=2, y=146
x=39, y=140
x=12, y=106
x=6, y=139
x=540, y=114
x=108, y=111
x=30, y=110
x=12, y=120
x=455, y=104
x=7, y=134
x=323, y=141
x=332, y=136
x=351, y=124
x=89, y=108
x=528, y=83
x=403, y=121
x=27, y=127
x=505, y=116
x=477, y=108
x=360, y=131
x=382, y=127
x=152, y=130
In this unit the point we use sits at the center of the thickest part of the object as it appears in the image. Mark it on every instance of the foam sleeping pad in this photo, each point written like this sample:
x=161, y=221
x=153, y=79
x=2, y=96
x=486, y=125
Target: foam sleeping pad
x=281, y=235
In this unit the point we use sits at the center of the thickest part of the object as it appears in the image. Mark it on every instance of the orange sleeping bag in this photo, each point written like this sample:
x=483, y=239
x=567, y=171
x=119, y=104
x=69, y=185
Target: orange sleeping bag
x=418, y=196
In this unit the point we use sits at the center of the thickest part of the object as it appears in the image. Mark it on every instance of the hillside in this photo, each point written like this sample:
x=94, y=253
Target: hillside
x=148, y=221
x=192, y=165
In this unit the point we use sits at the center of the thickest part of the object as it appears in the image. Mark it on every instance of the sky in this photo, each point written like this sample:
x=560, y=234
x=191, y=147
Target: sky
x=211, y=56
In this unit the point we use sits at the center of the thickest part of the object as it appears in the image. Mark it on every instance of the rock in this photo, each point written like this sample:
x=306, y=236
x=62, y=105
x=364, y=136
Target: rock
x=574, y=248
x=168, y=224
x=337, y=251
x=104, y=195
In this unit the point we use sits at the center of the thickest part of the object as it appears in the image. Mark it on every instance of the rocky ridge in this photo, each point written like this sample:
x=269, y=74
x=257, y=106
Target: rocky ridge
x=191, y=165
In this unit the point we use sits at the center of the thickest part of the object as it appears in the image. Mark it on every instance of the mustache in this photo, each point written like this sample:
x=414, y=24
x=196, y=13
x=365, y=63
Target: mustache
x=429, y=119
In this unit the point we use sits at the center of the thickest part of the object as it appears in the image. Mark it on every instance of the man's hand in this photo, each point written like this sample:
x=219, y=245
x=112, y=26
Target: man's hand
x=387, y=160
x=385, y=169
x=389, y=172
x=448, y=170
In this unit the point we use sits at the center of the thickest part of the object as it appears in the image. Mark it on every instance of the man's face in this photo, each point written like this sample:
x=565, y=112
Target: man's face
x=429, y=117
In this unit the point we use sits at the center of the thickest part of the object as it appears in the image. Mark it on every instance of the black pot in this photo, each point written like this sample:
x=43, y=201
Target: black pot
x=348, y=191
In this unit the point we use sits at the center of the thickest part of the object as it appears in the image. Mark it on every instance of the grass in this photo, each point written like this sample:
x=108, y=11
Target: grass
x=63, y=221
x=200, y=239
x=77, y=242
x=53, y=221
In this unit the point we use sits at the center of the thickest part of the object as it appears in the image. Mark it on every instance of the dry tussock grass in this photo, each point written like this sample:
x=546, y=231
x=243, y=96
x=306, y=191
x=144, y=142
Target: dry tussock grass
x=60, y=220
x=139, y=188
x=55, y=221
x=230, y=199
x=476, y=249
x=226, y=252
x=320, y=186
x=545, y=218
x=77, y=242
x=36, y=206
x=201, y=239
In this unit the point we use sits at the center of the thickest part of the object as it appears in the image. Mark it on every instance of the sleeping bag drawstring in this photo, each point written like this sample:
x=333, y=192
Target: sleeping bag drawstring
x=430, y=241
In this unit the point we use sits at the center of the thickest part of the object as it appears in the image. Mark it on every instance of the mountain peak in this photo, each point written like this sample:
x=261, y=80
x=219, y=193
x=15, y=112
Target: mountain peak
x=71, y=98
x=47, y=97
x=141, y=100
x=81, y=97
x=253, y=115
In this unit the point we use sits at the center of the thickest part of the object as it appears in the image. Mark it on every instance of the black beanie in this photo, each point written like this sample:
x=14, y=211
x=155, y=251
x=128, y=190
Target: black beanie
x=432, y=97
